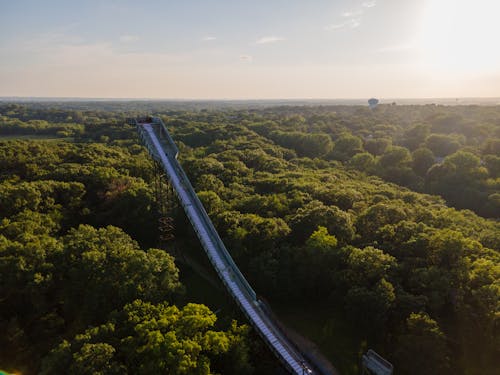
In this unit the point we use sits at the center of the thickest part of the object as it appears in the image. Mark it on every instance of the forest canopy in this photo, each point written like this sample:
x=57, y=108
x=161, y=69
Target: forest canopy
x=386, y=220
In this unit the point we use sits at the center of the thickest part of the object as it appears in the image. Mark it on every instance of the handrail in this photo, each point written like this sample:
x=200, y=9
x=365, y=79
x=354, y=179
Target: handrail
x=153, y=133
x=201, y=209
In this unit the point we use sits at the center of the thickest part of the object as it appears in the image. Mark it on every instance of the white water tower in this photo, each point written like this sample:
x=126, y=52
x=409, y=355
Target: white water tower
x=372, y=103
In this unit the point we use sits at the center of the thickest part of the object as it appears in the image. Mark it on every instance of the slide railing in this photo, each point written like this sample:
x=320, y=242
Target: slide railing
x=162, y=148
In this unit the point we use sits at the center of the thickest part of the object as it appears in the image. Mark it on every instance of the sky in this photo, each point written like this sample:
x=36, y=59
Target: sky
x=233, y=49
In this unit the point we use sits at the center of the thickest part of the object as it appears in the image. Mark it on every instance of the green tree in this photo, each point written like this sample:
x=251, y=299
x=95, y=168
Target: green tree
x=458, y=180
x=422, y=160
x=493, y=165
x=103, y=269
x=395, y=157
x=259, y=234
x=367, y=266
x=492, y=147
x=311, y=145
x=377, y=216
x=144, y=338
x=369, y=305
x=422, y=349
x=346, y=146
x=415, y=136
x=364, y=162
x=377, y=146
x=315, y=214
x=395, y=166
x=442, y=144
x=321, y=241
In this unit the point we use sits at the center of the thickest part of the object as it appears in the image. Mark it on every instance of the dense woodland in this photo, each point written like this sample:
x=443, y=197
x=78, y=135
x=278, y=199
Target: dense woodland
x=383, y=221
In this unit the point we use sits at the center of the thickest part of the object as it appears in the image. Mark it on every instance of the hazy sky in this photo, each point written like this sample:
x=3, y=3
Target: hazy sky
x=250, y=49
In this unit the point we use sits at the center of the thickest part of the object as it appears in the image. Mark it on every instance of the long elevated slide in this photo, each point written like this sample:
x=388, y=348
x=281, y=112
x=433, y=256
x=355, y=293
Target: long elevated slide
x=162, y=148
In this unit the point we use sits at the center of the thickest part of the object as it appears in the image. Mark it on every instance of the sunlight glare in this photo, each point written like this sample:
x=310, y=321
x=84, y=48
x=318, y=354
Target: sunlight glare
x=460, y=36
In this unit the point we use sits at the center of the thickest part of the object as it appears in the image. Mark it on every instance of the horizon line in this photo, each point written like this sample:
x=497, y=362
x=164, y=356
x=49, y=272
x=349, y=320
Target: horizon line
x=243, y=99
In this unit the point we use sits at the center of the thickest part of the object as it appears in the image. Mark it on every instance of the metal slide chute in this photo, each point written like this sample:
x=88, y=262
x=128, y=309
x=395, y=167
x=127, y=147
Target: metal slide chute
x=162, y=148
